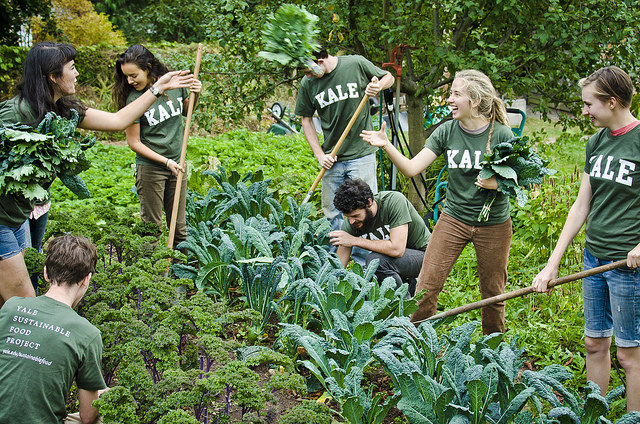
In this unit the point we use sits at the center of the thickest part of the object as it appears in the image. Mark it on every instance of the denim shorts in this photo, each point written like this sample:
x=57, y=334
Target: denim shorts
x=12, y=240
x=611, y=303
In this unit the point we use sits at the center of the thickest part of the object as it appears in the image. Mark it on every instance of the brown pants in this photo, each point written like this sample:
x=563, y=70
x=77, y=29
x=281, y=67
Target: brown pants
x=491, y=244
x=156, y=188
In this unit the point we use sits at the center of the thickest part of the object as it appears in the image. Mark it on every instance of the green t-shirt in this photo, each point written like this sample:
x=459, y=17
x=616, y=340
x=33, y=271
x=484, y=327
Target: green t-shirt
x=44, y=345
x=464, y=152
x=336, y=96
x=613, y=165
x=14, y=210
x=394, y=210
x=161, y=127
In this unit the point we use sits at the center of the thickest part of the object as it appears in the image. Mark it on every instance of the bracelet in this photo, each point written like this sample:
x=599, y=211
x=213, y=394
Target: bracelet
x=166, y=165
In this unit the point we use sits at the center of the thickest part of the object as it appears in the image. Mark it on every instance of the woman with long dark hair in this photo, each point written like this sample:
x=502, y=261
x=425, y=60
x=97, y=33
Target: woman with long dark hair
x=48, y=84
x=156, y=137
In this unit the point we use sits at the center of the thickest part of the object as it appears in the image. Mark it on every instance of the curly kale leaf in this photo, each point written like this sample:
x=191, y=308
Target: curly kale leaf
x=30, y=159
x=290, y=36
x=516, y=168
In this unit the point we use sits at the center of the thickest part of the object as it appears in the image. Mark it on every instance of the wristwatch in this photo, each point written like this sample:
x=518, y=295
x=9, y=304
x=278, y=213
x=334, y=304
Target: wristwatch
x=155, y=91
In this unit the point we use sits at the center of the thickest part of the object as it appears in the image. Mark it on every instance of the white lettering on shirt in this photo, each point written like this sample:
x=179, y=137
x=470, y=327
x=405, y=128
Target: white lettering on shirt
x=341, y=95
x=625, y=167
x=451, y=154
x=466, y=160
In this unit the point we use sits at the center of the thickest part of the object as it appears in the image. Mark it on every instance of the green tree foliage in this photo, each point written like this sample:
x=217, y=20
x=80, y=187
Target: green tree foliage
x=78, y=24
x=525, y=47
x=15, y=13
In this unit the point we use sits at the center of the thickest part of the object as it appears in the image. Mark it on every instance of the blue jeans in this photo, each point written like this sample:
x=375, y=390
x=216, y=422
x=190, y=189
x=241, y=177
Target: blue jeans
x=12, y=240
x=611, y=303
x=363, y=168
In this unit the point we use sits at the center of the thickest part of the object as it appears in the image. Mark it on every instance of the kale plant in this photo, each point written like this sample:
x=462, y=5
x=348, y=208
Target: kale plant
x=289, y=37
x=31, y=159
x=516, y=167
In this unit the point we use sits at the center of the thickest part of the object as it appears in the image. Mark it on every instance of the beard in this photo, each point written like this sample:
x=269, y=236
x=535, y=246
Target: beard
x=367, y=222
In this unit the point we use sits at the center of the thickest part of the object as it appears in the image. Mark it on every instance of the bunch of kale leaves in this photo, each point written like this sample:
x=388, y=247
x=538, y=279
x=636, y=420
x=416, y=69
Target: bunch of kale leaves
x=290, y=36
x=30, y=159
x=516, y=167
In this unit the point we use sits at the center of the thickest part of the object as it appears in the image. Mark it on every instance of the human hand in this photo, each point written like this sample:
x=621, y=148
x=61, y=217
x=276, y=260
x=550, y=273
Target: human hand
x=541, y=281
x=174, y=167
x=174, y=79
x=327, y=161
x=489, y=183
x=196, y=86
x=633, y=257
x=373, y=88
x=376, y=138
x=341, y=238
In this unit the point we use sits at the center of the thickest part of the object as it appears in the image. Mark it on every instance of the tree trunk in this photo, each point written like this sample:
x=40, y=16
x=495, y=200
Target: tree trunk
x=417, y=133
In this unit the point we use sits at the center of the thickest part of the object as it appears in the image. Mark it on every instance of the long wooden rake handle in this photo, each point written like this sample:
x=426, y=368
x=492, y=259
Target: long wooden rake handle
x=334, y=152
x=521, y=292
x=183, y=153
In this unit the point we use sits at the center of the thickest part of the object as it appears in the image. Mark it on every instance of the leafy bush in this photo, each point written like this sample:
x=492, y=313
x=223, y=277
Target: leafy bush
x=309, y=412
x=78, y=24
x=11, y=62
x=287, y=160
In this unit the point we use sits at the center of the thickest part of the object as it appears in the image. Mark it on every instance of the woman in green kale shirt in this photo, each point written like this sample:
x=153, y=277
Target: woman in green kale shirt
x=156, y=137
x=609, y=202
x=48, y=84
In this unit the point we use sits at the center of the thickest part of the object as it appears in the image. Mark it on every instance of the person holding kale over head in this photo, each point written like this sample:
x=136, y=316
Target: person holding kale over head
x=48, y=84
x=609, y=202
x=335, y=94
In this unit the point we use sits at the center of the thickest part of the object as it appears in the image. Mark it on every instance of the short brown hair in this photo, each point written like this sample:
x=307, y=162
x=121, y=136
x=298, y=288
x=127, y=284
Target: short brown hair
x=69, y=259
x=609, y=82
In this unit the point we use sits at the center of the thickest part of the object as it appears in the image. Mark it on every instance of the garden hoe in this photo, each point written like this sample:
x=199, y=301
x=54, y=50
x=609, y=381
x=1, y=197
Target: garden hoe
x=183, y=152
x=334, y=152
x=521, y=292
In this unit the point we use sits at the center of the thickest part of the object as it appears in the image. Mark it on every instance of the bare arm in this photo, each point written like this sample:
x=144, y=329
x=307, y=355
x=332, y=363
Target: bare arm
x=88, y=414
x=409, y=167
x=393, y=247
x=575, y=219
x=135, y=144
x=344, y=254
x=325, y=160
x=106, y=121
x=375, y=86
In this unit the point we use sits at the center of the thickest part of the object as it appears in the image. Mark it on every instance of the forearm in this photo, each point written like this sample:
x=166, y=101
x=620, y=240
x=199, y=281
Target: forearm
x=570, y=229
x=385, y=247
x=409, y=167
x=344, y=254
x=88, y=413
x=387, y=81
x=311, y=136
x=106, y=121
x=142, y=150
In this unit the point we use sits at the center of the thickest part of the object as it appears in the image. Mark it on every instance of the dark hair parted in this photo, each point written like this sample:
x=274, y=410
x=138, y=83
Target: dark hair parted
x=609, y=82
x=351, y=195
x=36, y=87
x=69, y=259
x=143, y=59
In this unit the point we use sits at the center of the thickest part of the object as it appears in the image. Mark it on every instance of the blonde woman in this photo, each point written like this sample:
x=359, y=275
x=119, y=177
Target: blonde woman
x=479, y=123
